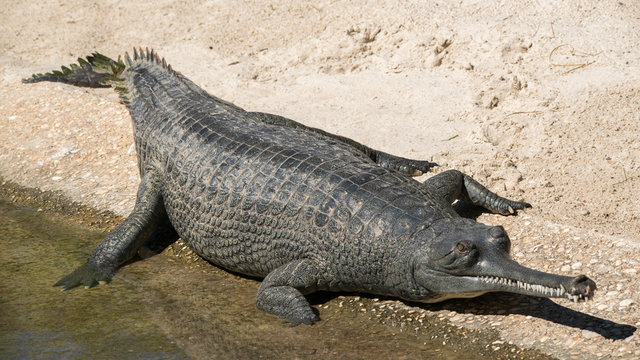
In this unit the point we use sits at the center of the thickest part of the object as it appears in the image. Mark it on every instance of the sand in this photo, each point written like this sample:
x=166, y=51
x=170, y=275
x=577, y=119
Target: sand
x=538, y=101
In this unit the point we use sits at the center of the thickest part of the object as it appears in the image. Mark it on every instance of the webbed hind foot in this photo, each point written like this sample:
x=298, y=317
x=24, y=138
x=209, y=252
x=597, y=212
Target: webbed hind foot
x=86, y=275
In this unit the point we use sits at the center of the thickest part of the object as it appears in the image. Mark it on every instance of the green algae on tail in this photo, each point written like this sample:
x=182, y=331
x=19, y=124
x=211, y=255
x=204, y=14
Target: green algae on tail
x=97, y=71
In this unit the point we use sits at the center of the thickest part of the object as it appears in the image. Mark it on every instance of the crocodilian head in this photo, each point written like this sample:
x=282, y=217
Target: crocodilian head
x=468, y=259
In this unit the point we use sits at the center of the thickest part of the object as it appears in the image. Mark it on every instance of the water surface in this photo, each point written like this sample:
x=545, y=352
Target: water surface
x=169, y=307
x=38, y=321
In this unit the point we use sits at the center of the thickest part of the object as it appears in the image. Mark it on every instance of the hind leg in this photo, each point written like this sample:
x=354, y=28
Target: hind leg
x=121, y=244
x=164, y=236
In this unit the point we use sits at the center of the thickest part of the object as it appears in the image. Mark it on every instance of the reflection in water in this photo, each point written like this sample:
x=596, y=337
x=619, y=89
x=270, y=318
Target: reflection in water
x=37, y=321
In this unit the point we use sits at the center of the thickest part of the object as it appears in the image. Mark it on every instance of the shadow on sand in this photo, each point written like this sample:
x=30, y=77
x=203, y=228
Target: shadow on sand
x=543, y=308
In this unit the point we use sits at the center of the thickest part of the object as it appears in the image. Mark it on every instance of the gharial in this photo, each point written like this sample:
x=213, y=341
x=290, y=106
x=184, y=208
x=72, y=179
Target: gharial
x=265, y=196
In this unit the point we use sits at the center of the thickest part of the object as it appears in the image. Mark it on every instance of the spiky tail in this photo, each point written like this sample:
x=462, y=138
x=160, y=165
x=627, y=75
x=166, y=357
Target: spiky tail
x=97, y=71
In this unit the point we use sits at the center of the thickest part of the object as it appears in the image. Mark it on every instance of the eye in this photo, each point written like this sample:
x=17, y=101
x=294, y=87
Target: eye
x=462, y=248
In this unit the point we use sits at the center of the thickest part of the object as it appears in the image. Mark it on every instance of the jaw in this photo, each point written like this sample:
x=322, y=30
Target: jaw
x=508, y=277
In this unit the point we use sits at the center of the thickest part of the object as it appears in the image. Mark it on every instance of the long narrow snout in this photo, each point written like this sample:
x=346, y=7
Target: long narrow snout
x=503, y=275
x=513, y=277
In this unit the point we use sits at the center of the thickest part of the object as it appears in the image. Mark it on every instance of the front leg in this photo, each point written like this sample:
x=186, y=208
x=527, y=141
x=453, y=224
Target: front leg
x=453, y=185
x=121, y=244
x=282, y=292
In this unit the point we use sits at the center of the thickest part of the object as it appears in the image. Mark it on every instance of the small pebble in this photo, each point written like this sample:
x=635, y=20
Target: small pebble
x=576, y=266
x=626, y=302
x=565, y=268
x=588, y=334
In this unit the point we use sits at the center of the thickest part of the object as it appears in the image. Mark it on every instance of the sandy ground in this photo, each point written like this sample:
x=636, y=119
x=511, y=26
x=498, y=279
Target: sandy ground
x=536, y=101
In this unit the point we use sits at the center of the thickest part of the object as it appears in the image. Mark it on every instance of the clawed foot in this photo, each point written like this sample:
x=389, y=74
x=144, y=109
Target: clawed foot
x=510, y=207
x=481, y=196
x=306, y=316
x=414, y=167
x=404, y=165
x=85, y=275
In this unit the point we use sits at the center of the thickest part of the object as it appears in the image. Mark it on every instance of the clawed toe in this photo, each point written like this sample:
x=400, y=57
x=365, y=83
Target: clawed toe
x=514, y=206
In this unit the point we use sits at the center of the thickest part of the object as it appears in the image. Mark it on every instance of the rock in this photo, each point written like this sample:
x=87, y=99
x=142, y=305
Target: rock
x=625, y=303
x=613, y=293
x=492, y=103
x=576, y=266
x=588, y=334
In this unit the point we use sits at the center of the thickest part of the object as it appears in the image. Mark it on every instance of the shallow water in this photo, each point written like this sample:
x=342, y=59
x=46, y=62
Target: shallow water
x=176, y=308
x=38, y=321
